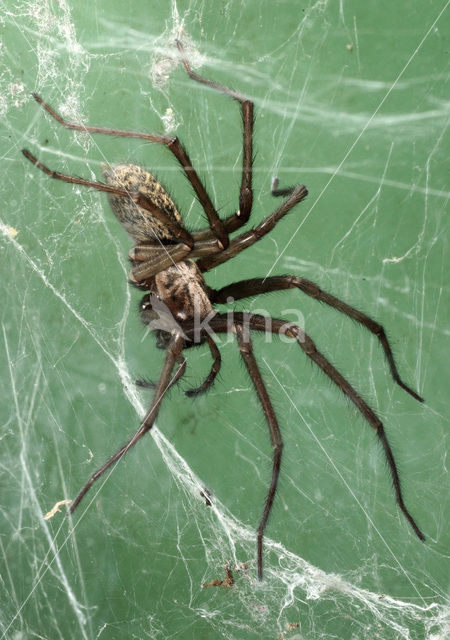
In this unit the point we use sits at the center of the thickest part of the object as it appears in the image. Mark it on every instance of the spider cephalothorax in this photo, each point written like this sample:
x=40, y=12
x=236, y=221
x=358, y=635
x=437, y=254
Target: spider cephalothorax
x=168, y=262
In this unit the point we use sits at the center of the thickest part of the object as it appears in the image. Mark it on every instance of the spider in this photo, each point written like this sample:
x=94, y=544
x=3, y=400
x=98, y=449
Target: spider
x=168, y=262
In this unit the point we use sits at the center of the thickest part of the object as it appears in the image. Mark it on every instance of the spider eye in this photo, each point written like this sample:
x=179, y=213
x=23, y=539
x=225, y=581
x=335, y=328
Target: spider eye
x=145, y=303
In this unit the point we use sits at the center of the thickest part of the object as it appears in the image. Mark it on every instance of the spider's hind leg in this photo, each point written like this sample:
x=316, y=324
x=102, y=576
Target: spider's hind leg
x=246, y=190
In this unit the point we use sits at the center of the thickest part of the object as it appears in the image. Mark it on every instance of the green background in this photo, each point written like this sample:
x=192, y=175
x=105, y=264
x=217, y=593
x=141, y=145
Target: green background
x=340, y=560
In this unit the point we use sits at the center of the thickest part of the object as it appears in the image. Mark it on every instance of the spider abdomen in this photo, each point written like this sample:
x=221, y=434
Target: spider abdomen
x=139, y=223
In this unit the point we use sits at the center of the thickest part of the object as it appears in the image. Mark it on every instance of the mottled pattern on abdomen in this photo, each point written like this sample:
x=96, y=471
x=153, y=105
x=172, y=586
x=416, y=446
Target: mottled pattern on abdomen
x=138, y=222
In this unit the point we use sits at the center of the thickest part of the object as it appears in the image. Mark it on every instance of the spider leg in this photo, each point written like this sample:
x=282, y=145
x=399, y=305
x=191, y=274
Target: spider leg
x=256, y=286
x=158, y=258
x=276, y=192
x=248, y=238
x=173, y=352
x=149, y=384
x=139, y=198
x=149, y=259
x=246, y=349
x=224, y=323
x=173, y=144
x=230, y=221
x=146, y=252
x=246, y=193
x=215, y=353
x=261, y=323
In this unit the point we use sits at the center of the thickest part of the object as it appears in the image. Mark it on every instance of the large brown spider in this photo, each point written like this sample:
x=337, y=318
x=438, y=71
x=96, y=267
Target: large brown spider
x=163, y=264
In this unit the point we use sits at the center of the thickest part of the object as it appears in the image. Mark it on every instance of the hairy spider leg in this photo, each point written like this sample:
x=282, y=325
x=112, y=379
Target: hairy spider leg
x=150, y=259
x=206, y=384
x=157, y=258
x=174, y=145
x=246, y=349
x=210, y=256
x=256, y=286
x=285, y=191
x=248, y=238
x=222, y=323
x=149, y=384
x=137, y=197
x=215, y=368
x=259, y=323
x=246, y=193
x=174, y=350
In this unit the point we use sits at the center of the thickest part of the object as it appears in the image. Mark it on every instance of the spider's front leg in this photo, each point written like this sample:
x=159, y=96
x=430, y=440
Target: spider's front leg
x=260, y=323
x=173, y=355
x=242, y=324
x=222, y=323
x=246, y=349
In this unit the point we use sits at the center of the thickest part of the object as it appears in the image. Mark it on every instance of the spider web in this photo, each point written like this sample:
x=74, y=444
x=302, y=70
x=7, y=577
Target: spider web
x=351, y=100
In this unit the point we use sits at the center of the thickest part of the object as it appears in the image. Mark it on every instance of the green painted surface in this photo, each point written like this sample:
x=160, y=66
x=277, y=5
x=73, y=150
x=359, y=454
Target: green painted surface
x=351, y=99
